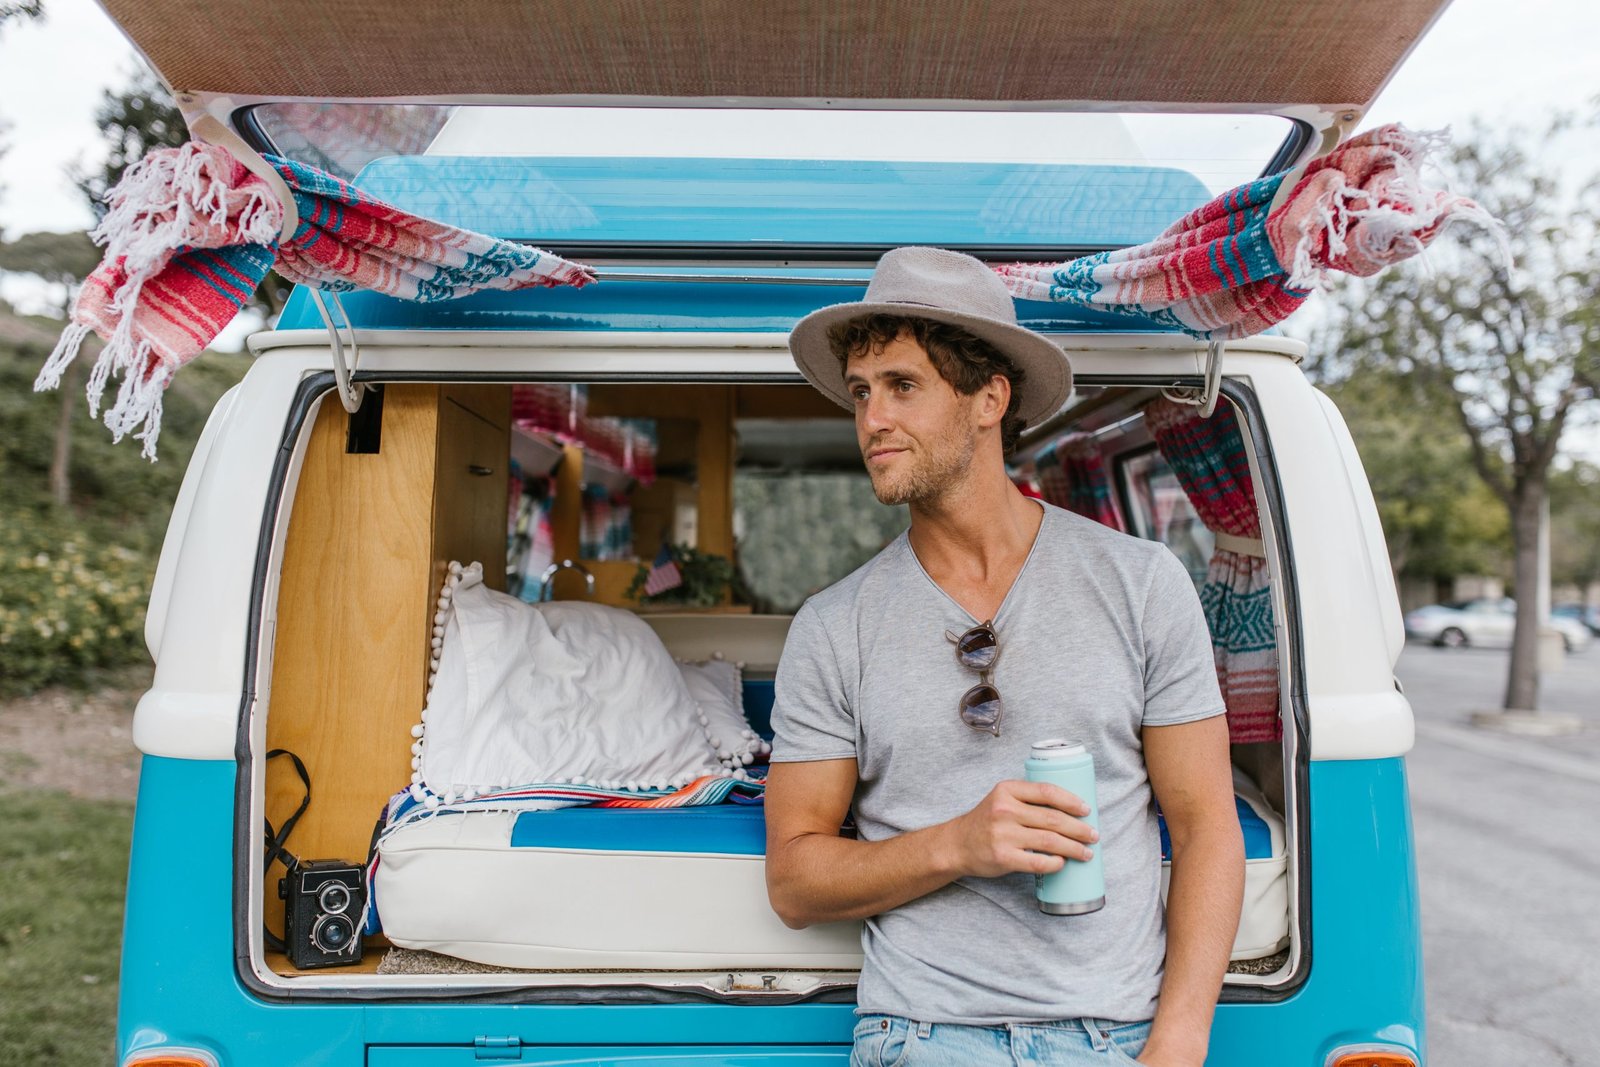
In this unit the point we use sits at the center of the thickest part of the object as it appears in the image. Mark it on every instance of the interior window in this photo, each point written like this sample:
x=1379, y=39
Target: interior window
x=804, y=514
x=1159, y=510
x=761, y=477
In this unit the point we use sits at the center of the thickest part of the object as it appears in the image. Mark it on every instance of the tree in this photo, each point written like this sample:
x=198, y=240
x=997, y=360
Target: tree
x=63, y=260
x=1439, y=519
x=17, y=10
x=133, y=121
x=1575, y=525
x=1512, y=352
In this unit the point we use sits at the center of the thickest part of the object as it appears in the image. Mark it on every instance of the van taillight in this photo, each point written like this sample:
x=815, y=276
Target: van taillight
x=1372, y=1059
x=172, y=1057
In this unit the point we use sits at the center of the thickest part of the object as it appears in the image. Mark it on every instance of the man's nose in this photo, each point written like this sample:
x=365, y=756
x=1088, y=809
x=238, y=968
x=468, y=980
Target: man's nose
x=872, y=417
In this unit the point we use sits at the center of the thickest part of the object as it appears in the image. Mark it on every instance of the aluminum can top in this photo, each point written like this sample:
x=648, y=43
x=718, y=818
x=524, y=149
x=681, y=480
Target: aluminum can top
x=1057, y=748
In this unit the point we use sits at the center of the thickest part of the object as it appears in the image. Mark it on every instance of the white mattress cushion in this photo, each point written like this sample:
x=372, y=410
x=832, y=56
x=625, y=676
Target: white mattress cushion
x=454, y=884
x=1264, y=915
x=565, y=691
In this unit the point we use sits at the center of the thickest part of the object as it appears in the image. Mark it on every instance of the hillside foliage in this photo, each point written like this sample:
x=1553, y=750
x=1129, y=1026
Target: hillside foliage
x=74, y=579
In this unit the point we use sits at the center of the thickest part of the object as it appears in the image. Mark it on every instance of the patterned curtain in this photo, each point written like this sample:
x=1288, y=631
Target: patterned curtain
x=1208, y=457
x=1072, y=474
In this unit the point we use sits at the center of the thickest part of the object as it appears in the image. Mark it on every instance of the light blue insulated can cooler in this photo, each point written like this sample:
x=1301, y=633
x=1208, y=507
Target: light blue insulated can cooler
x=1080, y=886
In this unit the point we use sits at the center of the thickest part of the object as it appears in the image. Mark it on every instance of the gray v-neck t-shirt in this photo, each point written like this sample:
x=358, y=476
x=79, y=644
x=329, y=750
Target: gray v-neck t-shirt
x=1100, y=635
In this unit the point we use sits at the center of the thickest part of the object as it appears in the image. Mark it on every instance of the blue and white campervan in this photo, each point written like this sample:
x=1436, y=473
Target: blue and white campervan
x=726, y=170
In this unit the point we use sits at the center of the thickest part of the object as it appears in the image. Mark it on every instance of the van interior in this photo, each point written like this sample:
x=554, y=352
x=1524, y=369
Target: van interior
x=571, y=491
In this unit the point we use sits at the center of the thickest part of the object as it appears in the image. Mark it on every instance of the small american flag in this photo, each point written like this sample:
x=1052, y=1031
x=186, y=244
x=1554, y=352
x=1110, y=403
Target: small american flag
x=664, y=573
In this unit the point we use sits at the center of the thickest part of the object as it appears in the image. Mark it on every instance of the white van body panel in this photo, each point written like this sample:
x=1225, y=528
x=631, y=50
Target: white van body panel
x=192, y=710
x=1354, y=710
x=193, y=706
x=155, y=616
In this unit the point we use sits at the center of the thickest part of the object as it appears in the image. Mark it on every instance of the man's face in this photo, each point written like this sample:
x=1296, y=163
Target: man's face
x=917, y=434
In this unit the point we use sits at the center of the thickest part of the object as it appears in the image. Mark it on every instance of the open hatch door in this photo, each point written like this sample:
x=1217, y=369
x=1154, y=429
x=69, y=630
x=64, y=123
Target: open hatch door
x=1321, y=64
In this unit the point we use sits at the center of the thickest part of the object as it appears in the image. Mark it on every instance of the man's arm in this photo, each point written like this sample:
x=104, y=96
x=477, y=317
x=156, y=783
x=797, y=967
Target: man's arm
x=1190, y=775
x=815, y=876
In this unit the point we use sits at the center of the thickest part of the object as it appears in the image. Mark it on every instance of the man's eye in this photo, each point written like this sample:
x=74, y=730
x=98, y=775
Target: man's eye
x=859, y=393
x=904, y=386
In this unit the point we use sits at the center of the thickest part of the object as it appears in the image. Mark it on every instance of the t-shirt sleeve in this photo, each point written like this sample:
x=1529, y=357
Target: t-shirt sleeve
x=811, y=716
x=1180, y=671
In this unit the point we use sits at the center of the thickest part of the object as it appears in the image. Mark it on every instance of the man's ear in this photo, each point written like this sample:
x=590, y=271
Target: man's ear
x=992, y=400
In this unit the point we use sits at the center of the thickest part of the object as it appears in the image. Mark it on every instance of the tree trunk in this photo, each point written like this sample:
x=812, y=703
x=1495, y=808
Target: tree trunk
x=1522, y=687
x=61, y=456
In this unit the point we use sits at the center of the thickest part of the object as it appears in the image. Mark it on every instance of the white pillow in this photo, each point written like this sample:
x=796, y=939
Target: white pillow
x=549, y=693
x=718, y=688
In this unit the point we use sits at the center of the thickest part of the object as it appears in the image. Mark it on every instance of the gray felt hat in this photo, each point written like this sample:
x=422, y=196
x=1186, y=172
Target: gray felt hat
x=933, y=283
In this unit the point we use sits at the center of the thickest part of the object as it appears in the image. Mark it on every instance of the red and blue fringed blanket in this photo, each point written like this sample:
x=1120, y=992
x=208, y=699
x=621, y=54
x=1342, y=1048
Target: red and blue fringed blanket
x=189, y=235
x=1247, y=259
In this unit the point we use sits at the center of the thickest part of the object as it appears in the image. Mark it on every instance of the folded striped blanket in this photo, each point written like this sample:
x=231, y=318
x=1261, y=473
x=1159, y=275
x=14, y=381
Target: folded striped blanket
x=1247, y=259
x=418, y=801
x=191, y=233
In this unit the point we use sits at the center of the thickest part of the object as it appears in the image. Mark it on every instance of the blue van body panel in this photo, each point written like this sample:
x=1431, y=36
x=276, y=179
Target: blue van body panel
x=617, y=305
x=1365, y=984
x=179, y=985
x=636, y=201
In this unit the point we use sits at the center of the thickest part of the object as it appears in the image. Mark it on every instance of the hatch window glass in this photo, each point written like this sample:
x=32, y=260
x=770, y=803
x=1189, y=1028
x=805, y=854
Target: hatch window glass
x=963, y=179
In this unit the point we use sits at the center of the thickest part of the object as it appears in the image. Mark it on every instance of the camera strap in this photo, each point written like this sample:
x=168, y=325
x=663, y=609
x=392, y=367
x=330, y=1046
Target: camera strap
x=277, y=841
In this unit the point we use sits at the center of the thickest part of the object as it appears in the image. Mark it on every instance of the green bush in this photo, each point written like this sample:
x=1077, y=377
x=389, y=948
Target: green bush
x=74, y=578
x=68, y=605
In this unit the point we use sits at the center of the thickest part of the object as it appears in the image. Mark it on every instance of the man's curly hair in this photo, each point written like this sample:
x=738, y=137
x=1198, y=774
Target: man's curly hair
x=963, y=359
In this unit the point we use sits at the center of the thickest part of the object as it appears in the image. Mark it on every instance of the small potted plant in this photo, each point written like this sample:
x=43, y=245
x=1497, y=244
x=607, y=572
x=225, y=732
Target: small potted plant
x=682, y=577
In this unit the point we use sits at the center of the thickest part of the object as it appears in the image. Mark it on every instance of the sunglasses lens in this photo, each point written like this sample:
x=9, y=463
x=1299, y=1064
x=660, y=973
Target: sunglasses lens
x=980, y=708
x=978, y=648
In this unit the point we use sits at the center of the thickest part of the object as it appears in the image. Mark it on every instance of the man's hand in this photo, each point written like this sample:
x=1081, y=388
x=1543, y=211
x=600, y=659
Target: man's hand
x=1032, y=827
x=1153, y=1057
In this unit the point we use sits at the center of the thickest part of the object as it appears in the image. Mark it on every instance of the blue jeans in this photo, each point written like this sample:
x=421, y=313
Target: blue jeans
x=890, y=1041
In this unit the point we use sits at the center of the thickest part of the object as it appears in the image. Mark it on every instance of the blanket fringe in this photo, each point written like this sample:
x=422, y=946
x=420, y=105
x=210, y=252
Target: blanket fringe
x=61, y=357
x=1386, y=232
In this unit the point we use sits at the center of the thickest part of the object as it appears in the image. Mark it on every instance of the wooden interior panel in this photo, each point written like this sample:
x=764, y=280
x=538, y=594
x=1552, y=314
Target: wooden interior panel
x=566, y=512
x=471, y=488
x=491, y=403
x=715, y=471
x=348, y=676
x=758, y=401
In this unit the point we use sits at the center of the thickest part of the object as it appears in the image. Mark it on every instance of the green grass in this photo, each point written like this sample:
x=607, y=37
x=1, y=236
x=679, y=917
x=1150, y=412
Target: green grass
x=63, y=865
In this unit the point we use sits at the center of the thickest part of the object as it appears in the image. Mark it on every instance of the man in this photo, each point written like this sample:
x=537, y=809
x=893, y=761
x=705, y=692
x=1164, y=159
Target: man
x=1101, y=640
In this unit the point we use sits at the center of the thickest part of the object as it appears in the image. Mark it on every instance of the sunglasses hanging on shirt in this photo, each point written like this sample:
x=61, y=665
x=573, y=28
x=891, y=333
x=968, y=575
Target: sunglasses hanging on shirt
x=977, y=649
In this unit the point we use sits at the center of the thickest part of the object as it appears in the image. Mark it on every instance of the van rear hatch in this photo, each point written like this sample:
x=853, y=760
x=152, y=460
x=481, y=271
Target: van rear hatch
x=1193, y=55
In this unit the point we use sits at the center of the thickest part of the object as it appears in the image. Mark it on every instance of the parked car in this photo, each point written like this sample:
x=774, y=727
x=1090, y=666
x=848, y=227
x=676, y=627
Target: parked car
x=1487, y=622
x=300, y=579
x=1588, y=615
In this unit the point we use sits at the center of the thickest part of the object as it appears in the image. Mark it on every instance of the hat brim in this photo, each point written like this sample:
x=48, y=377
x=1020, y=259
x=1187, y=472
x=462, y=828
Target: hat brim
x=1047, y=373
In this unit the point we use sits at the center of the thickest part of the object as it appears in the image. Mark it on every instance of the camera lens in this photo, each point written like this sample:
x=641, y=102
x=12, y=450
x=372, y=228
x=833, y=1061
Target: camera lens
x=333, y=898
x=333, y=933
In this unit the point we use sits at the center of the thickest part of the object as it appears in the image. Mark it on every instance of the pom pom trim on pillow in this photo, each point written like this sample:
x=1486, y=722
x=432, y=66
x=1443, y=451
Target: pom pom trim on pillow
x=433, y=797
x=737, y=744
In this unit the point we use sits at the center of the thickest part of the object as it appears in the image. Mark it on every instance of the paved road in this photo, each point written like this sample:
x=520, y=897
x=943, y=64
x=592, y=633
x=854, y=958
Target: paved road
x=1508, y=852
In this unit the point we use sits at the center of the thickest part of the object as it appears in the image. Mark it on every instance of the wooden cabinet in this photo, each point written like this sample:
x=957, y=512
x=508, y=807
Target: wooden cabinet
x=368, y=540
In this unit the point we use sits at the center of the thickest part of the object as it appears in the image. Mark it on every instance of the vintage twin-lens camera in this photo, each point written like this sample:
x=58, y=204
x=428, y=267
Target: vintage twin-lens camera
x=323, y=902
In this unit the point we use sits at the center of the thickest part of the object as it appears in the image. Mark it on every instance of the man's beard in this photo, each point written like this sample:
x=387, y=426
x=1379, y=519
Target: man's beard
x=930, y=474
